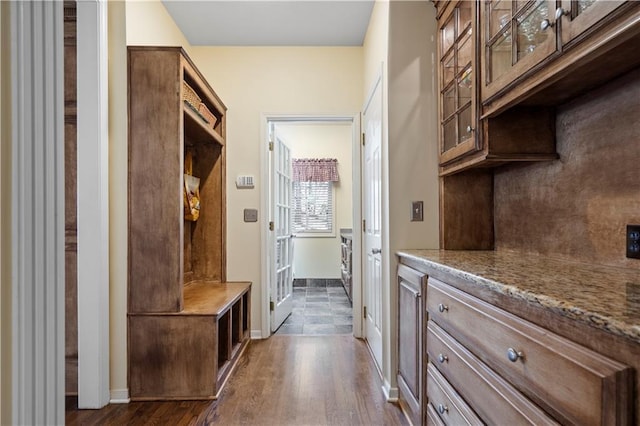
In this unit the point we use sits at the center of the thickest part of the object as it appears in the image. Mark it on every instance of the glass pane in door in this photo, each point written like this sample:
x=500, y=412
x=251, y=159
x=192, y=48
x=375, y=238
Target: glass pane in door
x=465, y=53
x=464, y=17
x=464, y=87
x=448, y=102
x=582, y=5
x=449, y=134
x=448, y=35
x=448, y=69
x=465, y=129
x=499, y=16
x=499, y=56
x=530, y=35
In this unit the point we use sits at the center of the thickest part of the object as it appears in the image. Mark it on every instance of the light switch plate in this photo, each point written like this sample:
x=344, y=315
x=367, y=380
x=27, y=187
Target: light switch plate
x=417, y=214
x=250, y=215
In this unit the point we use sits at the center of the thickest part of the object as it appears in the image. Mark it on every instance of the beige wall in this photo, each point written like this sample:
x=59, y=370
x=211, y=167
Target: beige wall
x=5, y=221
x=319, y=257
x=401, y=36
x=413, y=156
x=253, y=81
x=149, y=24
x=117, y=33
x=376, y=50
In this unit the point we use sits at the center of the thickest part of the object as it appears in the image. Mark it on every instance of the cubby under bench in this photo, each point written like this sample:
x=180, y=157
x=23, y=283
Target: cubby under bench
x=190, y=354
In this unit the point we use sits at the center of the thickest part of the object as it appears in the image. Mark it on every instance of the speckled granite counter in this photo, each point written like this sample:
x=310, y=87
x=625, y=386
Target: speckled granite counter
x=604, y=297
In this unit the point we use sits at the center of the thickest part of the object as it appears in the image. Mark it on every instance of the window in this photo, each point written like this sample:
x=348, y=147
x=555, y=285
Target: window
x=313, y=207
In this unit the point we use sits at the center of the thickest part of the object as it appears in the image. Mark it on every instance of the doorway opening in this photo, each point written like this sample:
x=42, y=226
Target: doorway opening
x=303, y=263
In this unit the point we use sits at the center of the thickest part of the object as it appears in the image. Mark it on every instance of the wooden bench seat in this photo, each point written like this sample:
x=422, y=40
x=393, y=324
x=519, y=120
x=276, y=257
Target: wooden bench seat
x=190, y=354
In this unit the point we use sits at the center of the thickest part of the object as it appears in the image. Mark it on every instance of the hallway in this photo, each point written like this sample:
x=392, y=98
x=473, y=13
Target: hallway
x=283, y=380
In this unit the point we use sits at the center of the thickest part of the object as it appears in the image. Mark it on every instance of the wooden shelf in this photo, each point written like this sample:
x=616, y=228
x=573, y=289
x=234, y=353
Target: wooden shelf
x=196, y=129
x=211, y=298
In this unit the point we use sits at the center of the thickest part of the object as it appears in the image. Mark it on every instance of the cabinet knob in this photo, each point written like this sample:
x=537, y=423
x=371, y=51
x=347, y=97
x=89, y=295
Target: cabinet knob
x=442, y=307
x=442, y=408
x=545, y=24
x=442, y=358
x=560, y=12
x=469, y=129
x=514, y=355
x=376, y=251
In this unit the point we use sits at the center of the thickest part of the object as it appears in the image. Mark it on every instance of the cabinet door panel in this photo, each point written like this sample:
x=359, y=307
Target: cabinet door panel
x=410, y=354
x=582, y=15
x=457, y=52
x=514, y=41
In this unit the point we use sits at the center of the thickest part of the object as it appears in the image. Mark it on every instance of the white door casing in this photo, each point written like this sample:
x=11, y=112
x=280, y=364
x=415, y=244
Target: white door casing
x=372, y=213
x=281, y=276
x=268, y=120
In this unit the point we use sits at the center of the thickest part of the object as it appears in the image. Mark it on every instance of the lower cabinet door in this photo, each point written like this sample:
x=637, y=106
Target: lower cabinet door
x=410, y=354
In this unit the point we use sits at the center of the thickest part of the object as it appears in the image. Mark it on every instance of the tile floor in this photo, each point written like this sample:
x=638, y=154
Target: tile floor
x=319, y=308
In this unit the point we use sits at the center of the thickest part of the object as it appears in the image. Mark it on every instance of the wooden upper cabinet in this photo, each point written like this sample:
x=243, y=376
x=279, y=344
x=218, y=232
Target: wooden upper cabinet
x=457, y=76
x=578, y=16
x=515, y=37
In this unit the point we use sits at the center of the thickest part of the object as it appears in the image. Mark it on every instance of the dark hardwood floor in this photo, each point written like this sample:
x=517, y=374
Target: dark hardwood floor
x=283, y=380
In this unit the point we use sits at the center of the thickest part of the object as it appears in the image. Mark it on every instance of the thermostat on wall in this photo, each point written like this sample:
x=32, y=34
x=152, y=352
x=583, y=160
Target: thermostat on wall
x=244, y=182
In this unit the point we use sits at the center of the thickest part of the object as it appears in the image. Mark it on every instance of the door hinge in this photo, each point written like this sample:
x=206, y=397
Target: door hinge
x=363, y=139
x=364, y=309
x=271, y=226
x=270, y=145
x=272, y=306
x=364, y=225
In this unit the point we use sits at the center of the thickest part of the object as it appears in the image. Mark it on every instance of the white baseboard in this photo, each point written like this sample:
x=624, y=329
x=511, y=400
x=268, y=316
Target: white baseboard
x=391, y=394
x=256, y=335
x=119, y=396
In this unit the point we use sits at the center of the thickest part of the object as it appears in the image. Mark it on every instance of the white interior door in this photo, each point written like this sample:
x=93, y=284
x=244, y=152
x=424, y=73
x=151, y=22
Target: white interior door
x=281, y=287
x=372, y=213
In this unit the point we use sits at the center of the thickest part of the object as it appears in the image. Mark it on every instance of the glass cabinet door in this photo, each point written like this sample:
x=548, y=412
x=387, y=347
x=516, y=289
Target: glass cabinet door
x=516, y=36
x=457, y=81
x=580, y=15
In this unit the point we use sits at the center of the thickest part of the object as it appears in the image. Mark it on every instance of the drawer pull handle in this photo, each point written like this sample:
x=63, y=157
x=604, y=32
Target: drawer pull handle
x=442, y=409
x=443, y=307
x=514, y=355
x=442, y=358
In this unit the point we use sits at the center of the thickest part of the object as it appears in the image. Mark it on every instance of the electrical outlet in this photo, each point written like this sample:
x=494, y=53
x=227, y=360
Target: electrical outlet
x=633, y=241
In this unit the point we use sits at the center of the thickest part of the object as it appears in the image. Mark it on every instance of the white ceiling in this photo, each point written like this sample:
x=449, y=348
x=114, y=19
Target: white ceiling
x=272, y=23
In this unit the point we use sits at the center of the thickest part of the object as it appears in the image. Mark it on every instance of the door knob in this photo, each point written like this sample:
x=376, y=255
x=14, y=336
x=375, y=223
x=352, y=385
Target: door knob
x=376, y=251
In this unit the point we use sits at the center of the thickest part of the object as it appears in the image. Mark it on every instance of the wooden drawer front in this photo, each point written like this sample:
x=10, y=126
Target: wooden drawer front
x=432, y=417
x=570, y=381
x=491, y=397
x=446, y=401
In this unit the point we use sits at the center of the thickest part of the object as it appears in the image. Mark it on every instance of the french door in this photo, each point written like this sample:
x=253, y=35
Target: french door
x=281, y=274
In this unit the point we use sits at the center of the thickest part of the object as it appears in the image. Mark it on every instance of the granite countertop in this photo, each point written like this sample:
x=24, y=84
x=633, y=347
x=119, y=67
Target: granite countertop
x=603, y=297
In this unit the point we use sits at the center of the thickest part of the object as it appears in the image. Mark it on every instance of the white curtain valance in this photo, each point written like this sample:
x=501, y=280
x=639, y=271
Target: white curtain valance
x=315, y=170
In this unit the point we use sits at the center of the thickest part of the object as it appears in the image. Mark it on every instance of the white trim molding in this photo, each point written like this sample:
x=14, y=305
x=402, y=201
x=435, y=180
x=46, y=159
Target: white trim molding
x=37, y=196
x=119, y=396
x=390, y=393
x=93, y=204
